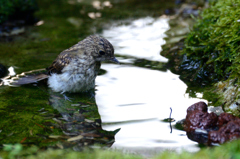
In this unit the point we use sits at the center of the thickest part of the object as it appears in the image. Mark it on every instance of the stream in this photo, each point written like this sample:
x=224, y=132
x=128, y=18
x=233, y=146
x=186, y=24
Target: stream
x=137, y=99
x=131, y=99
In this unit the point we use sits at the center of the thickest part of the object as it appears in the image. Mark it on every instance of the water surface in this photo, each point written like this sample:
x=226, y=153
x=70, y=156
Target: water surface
x=137, y=99
x=134, y=96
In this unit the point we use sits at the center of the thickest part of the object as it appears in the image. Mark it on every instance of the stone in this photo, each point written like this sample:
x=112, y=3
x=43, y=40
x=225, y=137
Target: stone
x=228, y=132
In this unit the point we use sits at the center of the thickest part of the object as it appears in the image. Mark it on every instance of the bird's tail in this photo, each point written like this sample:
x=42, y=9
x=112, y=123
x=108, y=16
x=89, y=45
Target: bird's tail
x=24, y=78
x=30, y=79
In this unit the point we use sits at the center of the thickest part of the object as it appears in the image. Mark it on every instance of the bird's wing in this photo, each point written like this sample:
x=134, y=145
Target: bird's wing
x=61, y=61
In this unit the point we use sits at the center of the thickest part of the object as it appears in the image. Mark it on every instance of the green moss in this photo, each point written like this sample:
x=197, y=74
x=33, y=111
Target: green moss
x=207, y=59
x=212, y=47
x=19, y=116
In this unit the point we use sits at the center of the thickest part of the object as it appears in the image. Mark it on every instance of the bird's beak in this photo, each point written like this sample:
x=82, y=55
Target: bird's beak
x=114, y=60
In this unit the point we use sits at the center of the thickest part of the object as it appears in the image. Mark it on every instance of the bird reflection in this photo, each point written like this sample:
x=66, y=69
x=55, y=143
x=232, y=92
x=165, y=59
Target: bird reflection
x=80, y=122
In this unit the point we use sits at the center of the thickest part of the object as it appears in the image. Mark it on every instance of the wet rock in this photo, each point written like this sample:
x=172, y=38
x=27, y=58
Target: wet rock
x=198, y=119
x=228, y=132
x=180, y=124
x=224, y=118
x=217, y=110
x=198, y=136
x=208, y=128
x=201, y=106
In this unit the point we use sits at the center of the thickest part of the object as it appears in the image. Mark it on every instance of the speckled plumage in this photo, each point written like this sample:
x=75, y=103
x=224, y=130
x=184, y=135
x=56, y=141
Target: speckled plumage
x=75, y=69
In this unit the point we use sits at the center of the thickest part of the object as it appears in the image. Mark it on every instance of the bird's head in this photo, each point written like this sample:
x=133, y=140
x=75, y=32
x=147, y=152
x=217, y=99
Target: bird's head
x=103, y=49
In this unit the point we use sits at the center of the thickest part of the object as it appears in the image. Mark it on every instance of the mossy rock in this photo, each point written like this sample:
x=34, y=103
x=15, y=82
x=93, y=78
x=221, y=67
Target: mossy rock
x=212, y=47
x=211, y=52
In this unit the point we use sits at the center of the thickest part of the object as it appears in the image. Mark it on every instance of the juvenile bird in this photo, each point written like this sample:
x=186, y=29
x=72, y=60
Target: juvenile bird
x=75, y=69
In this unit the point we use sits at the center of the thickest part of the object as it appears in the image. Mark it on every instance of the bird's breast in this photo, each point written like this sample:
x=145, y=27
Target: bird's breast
x=75, y=77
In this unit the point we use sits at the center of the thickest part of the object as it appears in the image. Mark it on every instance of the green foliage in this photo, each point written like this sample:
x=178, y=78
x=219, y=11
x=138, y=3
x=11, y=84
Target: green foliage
x=13, y=150
x=15, y=7
x=228, y=150
x=212, y=47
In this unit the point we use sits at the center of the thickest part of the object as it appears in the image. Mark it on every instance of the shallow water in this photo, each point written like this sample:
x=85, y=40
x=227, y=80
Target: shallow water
x=137, y=99
x=134, y=96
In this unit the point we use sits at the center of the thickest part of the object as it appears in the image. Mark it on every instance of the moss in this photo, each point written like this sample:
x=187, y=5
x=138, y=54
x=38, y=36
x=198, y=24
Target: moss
x=212, y=52
x=207, y=58
x=212, y=47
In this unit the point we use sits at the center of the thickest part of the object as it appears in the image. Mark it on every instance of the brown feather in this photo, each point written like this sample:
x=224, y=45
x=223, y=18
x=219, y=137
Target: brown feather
x=31, y=79
x=60, y=62
x=64, y=58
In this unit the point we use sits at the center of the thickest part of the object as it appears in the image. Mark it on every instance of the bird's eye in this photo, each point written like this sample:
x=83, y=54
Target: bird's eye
x=101, y=52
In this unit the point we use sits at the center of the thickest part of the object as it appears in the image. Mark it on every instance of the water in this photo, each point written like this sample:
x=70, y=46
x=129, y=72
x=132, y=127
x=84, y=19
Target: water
x=137, y=99
x=140, y=39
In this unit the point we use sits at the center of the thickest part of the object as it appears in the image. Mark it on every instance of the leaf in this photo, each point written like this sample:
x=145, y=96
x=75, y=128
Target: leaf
x=79, y=137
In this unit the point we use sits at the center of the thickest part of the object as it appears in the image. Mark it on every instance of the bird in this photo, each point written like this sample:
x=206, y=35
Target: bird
x=75, y=69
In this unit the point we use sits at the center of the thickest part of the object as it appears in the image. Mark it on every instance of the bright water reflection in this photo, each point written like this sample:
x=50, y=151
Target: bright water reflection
x=137, y=99
x=141, y=39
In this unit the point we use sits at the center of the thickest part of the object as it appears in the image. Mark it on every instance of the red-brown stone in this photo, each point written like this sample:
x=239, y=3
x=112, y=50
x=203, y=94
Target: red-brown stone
x=227, y=125
x=224, y=118
x=200, y=120
x=228, y=132
x=202, y=106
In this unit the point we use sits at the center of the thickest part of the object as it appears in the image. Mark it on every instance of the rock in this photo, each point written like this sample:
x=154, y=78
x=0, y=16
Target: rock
x=198, y=119
x=228, y=132
x=200, y=137
x=208, y=128
x=202, y=106
x=224, y=118
x=229, y=91
x=217, y=110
